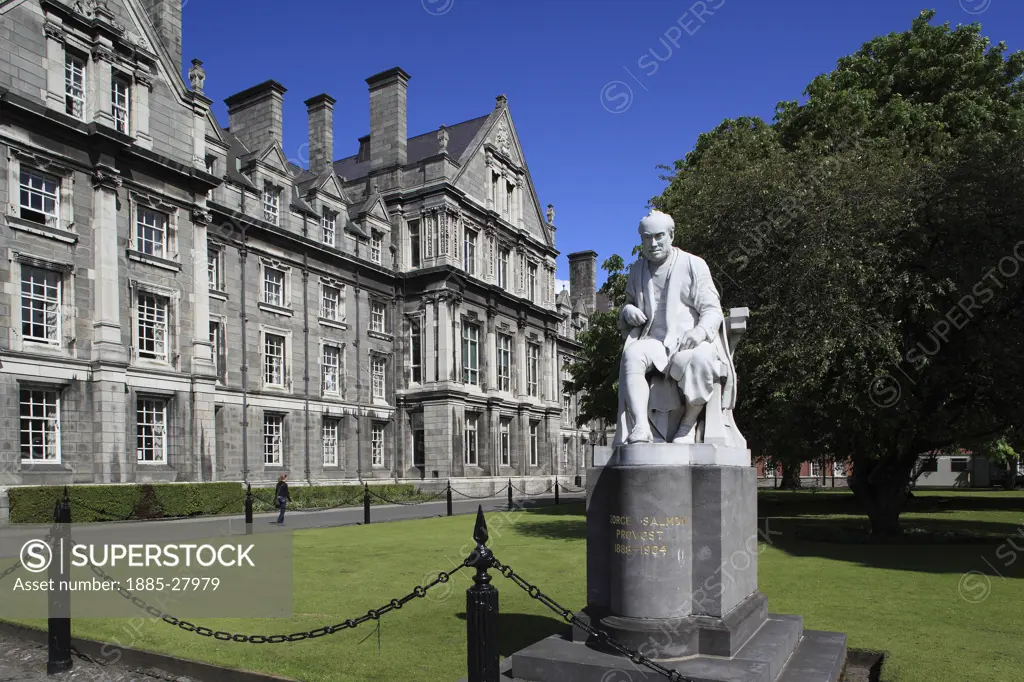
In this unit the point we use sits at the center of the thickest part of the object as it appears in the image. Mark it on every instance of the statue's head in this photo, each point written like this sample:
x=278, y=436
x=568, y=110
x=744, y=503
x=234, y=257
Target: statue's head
x=656, y=231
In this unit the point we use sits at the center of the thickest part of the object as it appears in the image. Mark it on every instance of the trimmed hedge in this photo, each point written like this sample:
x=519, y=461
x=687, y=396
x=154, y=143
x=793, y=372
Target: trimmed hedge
x=132, y=502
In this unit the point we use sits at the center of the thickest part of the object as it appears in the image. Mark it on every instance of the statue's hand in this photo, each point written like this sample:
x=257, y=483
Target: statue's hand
x=692, y=338
x=633, y=316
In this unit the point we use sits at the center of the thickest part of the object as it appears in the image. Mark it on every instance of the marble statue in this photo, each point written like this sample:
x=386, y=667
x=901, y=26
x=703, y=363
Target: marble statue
x=676, y=358
x=197, y=76
x=442, y=139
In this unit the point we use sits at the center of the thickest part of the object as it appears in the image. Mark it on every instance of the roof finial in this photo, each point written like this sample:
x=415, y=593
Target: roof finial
x=551, y=214
x=500, y=101
x=442, y=139
x=197, y=76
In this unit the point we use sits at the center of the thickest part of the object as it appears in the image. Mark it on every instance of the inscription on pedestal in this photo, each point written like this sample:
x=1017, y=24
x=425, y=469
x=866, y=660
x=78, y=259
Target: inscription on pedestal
x=649, y=534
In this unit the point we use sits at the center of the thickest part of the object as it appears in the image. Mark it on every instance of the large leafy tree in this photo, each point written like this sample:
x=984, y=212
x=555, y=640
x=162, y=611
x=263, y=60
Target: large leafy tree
x=876, y=232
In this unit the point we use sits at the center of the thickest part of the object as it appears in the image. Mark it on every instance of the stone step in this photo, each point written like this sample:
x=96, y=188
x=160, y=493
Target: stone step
x=819, y=657
x=773, y=643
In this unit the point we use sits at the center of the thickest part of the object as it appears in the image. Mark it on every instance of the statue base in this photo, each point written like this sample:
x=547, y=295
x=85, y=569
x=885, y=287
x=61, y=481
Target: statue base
x=672, y=549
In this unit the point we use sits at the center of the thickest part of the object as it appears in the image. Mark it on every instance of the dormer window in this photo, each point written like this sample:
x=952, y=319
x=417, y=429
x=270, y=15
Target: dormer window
x=375, y=247
x=328, y=225
x=271, y=204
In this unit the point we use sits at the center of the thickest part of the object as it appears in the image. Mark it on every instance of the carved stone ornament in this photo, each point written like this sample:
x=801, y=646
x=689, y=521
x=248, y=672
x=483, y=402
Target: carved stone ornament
x=501, y=138
x=106, y=179
x=200, y=217
x=54, y=31
x=551, y=214
x=442, y=139
x=197, y=76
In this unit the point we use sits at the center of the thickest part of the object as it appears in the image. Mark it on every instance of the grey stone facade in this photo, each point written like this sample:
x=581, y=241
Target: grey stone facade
x=182, y=303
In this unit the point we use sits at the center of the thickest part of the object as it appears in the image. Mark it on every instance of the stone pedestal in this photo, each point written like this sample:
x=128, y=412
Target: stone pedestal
x=672, y=553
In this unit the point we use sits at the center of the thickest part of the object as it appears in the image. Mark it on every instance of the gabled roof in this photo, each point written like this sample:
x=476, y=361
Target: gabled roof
x=562, y=298
x=236, y=150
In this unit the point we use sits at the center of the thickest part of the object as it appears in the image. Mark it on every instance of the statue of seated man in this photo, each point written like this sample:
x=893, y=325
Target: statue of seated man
x=671, y=322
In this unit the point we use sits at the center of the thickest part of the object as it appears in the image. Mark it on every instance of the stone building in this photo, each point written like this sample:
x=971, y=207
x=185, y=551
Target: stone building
x=183, y=303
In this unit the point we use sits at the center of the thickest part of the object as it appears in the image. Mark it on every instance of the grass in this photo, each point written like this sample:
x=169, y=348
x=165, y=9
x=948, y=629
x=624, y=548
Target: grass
x=902, y=599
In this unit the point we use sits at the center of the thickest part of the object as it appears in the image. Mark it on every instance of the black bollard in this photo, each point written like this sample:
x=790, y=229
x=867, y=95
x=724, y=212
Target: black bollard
x=556, y=489
x=449, y=497
x=248, y=509
x=482, y=650
x=366, y=503
x=59, y=621
x=510, y=494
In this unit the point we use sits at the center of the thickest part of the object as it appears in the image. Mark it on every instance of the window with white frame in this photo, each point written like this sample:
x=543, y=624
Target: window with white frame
x=504, y=362
x=505, y=442
x=532, y=368
x=271, y=203
x=211, y=168
x=273, y=360
x=377, y=445
x=510, y=206
x=470, y=440
x=273, y=439
x=151, y=232
x=375, y=247
x=274, y=286
x=331, y=303
x=378, y=372
x=74, y=86
x=503, y=257
x=532, y=282
x=217, y=348
x=534, y=444
x=378, y=317
x=213, y=263
x=495, y=195
x=565, y=454
x=331, y=380
x=151, y=430
x=120, y=104
x=414, y=243
x=41, y=305
x=153, y=327
x=40, y=425
x=39, y=197
x=470, y=353
x=328, y=224
x=415, y=352
x=567, y=409
x=469, y=251
x=815, y=468
x=329, y=435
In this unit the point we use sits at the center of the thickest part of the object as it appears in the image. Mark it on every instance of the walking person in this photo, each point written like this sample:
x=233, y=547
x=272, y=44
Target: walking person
x=282, y=496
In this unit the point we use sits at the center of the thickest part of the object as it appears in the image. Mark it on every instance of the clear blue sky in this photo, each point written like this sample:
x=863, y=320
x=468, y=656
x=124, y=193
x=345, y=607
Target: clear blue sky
x=556, y=61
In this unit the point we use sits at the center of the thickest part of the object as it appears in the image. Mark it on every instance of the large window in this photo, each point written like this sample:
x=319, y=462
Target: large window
x=505, y=442
x=271, y=204
x=39, y=197
x=504, y=362
x=329, y=435
x=217, y=344
x=470, y=353
x=378, y=371
x=375, y=248
x=273, y=360
x=151, y=430
x=331, y=382
x=213, y=266
x=567, y=409
x=273, y=286
x=377, y=445
x=469, y=251
x=958, y=464
x=503, y=257
x=153, y=327
x=328, y=223
x=534, y=444
x=330, y=303
x=378, y=317
x=273, y=439
x=565, y=454
x=41, y=305
x=74, y=86
x=531, y=283
x=120, y=104
x=414, y=243
x=415, y=352
x=40, y=425
x=470, y=452
x=151, y=233
x=532, y=368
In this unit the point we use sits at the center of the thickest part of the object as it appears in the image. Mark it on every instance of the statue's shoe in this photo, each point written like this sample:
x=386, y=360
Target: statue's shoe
x=686, y=434
x=640, y=435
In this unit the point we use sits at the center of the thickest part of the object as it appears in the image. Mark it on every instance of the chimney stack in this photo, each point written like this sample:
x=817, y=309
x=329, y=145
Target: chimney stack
x=583, y=278
x=166, y=18
x=321, y=133
x=255, y=116
x=388, y=141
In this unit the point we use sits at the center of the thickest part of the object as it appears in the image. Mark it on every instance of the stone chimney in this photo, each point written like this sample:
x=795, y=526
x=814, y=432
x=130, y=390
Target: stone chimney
x=321, y=133
x=583, y=278
x=166, y=18
x=255, y=116
x=388, y=141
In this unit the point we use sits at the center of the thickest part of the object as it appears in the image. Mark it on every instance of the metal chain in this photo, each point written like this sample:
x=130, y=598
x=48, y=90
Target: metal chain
x=405, y=504
x=571, y=490
x=526, y=494
x=496, y=493
x=373, y=614
x=10, y=570
x=569, y=617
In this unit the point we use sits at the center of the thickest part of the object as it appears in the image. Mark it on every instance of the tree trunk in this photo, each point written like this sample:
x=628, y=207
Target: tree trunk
x=790, y=476
x=882, y=487
x=1010, y=482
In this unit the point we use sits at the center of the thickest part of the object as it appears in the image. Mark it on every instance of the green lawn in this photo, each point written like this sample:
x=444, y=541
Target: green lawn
x=901, y=599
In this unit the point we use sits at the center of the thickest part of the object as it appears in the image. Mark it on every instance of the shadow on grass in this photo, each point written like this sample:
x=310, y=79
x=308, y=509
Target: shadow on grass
x=838, y=501
x=517, y=631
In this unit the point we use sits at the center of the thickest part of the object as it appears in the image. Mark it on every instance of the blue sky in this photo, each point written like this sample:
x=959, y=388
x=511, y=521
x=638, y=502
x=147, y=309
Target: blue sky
x=601, y=91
